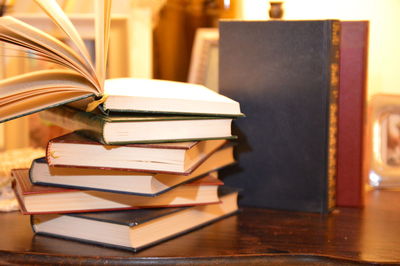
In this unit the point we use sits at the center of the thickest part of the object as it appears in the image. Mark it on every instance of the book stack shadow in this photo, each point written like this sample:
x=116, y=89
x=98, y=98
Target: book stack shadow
x=128, y=181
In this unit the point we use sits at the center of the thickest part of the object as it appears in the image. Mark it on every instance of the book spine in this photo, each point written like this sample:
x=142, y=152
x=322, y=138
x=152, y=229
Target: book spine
x=87, y=124
x=333, y=114
x=352, y=99
x=30, y=172
x=32, y=221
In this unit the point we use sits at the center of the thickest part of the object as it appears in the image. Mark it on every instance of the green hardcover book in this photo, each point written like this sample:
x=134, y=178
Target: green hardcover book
x=124, y=129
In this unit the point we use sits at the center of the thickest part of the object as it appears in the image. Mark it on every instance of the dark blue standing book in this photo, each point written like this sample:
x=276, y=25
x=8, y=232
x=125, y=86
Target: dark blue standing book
x=285, y=76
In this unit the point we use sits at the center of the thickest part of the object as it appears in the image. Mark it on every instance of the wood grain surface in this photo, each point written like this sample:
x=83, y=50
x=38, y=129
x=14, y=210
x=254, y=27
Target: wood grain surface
x=350, y=236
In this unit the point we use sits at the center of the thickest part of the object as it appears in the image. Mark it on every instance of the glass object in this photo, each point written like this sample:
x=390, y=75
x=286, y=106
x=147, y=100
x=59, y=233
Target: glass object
x=385, y=144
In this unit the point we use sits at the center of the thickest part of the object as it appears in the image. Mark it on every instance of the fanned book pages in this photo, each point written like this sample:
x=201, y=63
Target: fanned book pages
x=78, y=77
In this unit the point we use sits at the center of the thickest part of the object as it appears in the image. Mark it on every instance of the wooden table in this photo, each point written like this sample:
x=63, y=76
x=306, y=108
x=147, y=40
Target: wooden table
x=348, y=236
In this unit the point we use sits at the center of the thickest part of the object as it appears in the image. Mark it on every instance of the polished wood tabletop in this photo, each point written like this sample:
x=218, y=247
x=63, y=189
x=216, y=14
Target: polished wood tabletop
x=350, y=236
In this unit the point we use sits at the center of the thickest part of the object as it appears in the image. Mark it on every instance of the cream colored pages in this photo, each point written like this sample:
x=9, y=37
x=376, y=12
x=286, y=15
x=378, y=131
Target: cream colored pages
x=102, y=28
x=28, y=83
x=107, y=22
x=153, y=88
x=27, y=36
x=23, y=45
x=25, y=52
x=39, y=101
x=37, y=90
x=60, y=18
x=32, y=92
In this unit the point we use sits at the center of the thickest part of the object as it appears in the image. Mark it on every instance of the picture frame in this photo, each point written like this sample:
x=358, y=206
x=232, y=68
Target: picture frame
x=384, y=135
x=204, y=59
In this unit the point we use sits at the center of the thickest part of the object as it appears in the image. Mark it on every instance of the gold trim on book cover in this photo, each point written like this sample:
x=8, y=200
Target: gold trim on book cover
x=333, y=116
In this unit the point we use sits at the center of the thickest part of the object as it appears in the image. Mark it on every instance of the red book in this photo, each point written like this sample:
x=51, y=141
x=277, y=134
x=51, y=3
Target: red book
x=352, y=99
x=35, y=199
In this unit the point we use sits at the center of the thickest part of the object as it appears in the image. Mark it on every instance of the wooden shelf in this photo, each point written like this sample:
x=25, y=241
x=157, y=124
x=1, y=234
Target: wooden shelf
x=348, y=235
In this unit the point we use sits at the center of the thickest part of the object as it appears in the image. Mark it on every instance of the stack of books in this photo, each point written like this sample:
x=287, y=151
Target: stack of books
x=139, y=164
x=116, y=176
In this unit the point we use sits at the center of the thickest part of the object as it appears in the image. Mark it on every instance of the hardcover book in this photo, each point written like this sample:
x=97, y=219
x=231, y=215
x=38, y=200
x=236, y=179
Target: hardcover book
x=150, y=184
x=352, y=99
x=45, y=199
x=285, y=74
x=76, y=77
x=118, y=129
x=73, y=150
x=134, y=229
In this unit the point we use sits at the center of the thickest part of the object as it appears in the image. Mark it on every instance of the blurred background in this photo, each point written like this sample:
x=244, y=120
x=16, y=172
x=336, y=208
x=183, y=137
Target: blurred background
x=154, y=38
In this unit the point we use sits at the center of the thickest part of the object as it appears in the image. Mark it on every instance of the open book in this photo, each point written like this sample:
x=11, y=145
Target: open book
x=79, y=78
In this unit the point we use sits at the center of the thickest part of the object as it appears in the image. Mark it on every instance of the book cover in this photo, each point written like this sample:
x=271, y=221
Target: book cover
x=73, y=150
x=352, y=120
x=285, y=75
x=134, y=230
x=150, y=184
x=34, y=199
x=136, y=128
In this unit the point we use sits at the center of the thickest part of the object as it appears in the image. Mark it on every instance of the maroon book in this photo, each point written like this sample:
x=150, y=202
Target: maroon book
x=352, y=98
x=36, y=199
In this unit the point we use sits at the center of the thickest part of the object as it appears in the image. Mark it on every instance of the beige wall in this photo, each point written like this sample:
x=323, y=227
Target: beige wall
x=384, y=17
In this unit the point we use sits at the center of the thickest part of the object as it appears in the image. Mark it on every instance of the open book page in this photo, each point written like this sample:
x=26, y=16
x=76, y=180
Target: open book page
x=107, y=23
x=60, y=19
x=9, y=50
x=43, y=80
x=38, y=102
x=102, y=29
x=34, y=91
x=24, y=35
x=38, y=90
x=76, y=79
